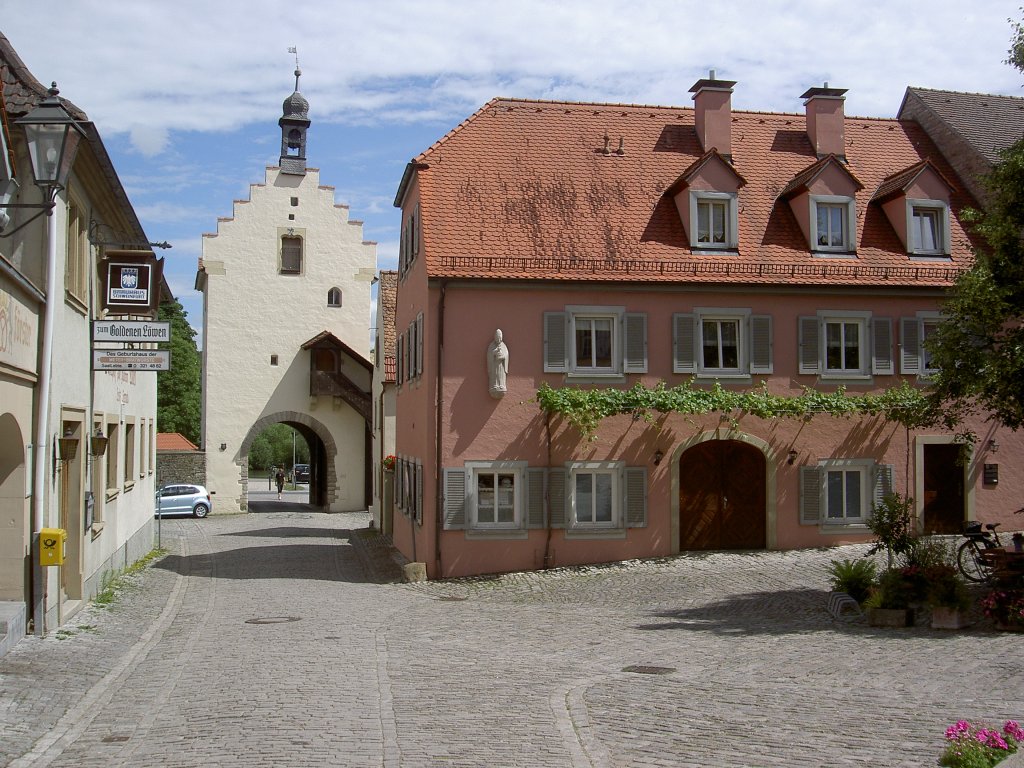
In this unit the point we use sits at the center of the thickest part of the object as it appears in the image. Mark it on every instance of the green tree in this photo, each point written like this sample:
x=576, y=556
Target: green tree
x=273, y=447
x=979, y=346
x=179, y=390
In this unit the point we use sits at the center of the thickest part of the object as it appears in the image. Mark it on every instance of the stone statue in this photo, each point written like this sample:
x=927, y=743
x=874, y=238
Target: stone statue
x=497, y=365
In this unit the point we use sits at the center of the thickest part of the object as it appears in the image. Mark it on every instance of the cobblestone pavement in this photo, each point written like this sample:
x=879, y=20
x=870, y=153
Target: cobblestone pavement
x=280, y=638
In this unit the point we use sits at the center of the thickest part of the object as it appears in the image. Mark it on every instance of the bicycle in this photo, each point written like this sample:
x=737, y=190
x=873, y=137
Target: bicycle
x=969, y=558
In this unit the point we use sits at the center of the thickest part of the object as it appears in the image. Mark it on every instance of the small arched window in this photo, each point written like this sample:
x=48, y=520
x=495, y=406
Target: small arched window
x=334, y=297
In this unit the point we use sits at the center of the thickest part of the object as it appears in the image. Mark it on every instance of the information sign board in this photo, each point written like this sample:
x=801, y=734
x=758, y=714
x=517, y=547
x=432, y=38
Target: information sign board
x=131, y=359
x=133, y=331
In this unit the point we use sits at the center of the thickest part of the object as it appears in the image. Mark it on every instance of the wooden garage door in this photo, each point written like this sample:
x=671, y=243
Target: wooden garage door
x=722, y=496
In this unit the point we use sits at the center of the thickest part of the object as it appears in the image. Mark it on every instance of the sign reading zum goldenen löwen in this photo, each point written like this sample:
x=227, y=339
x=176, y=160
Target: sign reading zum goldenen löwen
x=130, y=331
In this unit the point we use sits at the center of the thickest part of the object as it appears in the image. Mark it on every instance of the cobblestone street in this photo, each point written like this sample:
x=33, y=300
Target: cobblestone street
x=282, y=638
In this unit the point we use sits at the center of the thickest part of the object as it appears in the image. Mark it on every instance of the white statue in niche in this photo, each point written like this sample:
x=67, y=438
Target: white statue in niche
x=497, y=365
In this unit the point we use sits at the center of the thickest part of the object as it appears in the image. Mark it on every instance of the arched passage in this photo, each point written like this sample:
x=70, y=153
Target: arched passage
x=15, y=555
x=323, y=480
x=722, y=496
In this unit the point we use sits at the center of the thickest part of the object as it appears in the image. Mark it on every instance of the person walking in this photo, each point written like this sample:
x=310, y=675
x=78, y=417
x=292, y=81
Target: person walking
x=279, y=477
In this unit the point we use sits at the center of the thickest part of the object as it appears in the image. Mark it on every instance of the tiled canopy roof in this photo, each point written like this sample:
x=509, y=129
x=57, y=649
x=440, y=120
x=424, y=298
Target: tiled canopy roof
x=174, y=441
x=387, y=295
x=525, y=190
x=988, y=122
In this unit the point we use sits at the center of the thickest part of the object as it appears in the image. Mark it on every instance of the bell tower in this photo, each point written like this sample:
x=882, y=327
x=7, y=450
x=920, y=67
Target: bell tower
x=294, y=123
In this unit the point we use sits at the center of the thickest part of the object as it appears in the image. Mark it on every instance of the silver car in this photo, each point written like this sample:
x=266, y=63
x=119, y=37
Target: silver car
x=182, y=499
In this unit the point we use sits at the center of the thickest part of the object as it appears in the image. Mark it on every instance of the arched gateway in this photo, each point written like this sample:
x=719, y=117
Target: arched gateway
x=286, y=307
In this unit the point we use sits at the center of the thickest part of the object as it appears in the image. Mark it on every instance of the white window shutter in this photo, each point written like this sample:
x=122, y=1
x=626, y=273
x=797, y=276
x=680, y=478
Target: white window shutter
x=910, y=345
x=634, y=326
x=556, y=357
x=882, y=483
x=535, y=497
x=810, y=495
x=454, y=499
x=684, y=350
x=760, y=344
x=557, y=501
x=810, y=345
x=881, y=346
x=636, y=497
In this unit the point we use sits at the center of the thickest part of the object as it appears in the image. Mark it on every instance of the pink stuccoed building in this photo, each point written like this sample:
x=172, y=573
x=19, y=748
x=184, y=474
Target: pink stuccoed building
x=613, y=245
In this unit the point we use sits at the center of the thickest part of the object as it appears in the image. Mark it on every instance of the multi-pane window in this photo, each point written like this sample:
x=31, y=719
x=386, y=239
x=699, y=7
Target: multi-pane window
x=720, y=344
x=712, y=216
x=831, y=225
x=291, y=254
x=496, y=496
x=76, y=272
x=334, y=297
x=594, y=500
x=113, y=454
x=129, y=454
x=594, y=340
x=843, y=345
x=844, y=494
x=926, y=230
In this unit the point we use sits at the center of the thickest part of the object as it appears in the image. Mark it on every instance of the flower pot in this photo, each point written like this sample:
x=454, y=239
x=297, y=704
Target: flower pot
x=891, y=617
x=944, y=617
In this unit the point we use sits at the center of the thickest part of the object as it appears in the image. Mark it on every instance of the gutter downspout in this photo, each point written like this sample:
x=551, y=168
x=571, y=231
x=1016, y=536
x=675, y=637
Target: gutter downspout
x=43, y=425
x=438, y=404
x=547, y=494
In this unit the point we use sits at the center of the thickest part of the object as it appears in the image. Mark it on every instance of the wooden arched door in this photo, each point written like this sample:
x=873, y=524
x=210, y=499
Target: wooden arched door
x=722, y=496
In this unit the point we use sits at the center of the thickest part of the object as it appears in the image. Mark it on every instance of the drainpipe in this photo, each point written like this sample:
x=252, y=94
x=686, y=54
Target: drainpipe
x=43, y=425
x=547, y=493
x=439, y=403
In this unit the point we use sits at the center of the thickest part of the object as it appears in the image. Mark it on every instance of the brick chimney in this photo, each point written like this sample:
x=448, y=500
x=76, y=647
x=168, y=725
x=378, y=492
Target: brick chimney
x=712, y=105
x=825, y=120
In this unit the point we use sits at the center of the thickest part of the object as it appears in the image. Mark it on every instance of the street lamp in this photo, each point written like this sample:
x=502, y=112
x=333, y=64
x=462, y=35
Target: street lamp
x=53, y=136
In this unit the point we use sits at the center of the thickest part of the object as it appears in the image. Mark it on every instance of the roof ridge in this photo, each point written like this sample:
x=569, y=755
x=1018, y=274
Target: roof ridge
x=964, y=93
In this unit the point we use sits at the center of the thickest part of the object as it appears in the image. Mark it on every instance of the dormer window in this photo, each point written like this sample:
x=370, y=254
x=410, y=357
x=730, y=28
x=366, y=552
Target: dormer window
x=831, y=217
x=929, y=227
x=707, y=198
x=715, y=214
x=916, y=203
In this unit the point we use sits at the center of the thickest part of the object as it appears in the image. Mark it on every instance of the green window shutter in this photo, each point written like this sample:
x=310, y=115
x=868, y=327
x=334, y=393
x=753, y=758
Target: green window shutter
x=535, y=497
x=760, y=344
x=810, y=345
x=684, y=350
x=454, y=499
x=881, y=346
x=557, y=497
x=634, y=326
x=910, y=345
x=810, y=495
x=556, y=353
x=636, y=497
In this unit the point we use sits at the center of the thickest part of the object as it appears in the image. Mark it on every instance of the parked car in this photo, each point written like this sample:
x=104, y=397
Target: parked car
x=300, y=473
x=183, y=499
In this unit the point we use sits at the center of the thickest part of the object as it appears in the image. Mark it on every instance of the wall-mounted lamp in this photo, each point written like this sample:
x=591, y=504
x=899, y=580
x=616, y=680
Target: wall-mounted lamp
x=791, y=457
x=98, y=443
x=993, y=446
x=68, y=446
x=223, y=446
x=53, y=137
x=658, y=456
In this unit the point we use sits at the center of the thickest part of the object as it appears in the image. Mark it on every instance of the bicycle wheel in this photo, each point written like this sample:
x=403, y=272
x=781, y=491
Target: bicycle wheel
x=970, y=564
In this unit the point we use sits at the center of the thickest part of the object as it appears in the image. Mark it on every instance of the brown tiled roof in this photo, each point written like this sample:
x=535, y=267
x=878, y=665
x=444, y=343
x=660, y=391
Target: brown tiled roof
x=387, y=296
x=523, y=190
x=988, y=122
x=900, y=180
x=326, y=337
x=699, y=163
x=174, y=441
x=803, y=179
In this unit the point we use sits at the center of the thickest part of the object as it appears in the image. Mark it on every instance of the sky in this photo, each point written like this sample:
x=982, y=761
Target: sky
x=186, y=94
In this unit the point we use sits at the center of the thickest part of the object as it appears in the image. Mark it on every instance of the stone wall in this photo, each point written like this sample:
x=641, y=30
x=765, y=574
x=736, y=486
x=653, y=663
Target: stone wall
x=180, y=467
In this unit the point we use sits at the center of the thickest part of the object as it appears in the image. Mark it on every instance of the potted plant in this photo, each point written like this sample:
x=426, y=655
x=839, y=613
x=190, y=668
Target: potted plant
x=892, y=522
x=853, y=577
x=947, y=596
x=979, y=746
x=889, y=602
x=1006, y=608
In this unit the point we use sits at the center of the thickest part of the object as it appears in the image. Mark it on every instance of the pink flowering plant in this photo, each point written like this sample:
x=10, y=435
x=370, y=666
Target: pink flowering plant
x=970, y=746
x=1004, y=606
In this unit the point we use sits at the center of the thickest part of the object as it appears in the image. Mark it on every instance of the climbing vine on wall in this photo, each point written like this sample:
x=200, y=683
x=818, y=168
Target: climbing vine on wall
x=585, y=408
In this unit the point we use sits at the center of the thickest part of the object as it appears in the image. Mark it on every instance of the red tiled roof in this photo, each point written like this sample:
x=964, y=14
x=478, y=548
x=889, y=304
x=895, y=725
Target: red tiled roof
x=174, y=441
x=523, y=190
x=900, y=180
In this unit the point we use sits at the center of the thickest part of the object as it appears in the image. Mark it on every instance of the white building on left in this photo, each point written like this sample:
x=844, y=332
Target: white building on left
x=102, y=495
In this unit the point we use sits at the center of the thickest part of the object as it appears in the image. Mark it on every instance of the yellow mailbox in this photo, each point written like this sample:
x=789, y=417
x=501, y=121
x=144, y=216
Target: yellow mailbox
x=52, y=543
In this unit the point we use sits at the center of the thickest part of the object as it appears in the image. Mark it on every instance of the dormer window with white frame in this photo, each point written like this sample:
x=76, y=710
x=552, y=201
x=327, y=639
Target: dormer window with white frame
x=716, y=217
x=928, y=222
x=832, y=223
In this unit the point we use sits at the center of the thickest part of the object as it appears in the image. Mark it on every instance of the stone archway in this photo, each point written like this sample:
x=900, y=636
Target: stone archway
x=15, y=544
x=326, y=480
